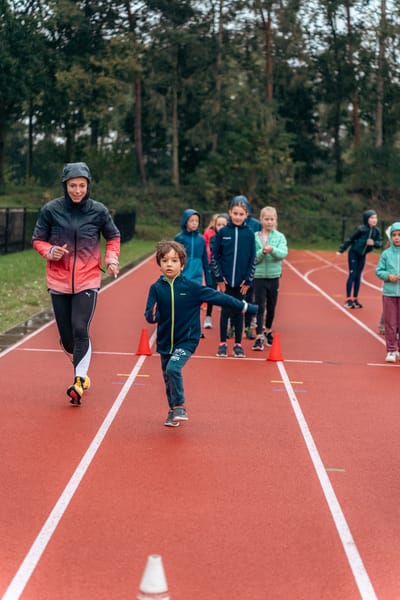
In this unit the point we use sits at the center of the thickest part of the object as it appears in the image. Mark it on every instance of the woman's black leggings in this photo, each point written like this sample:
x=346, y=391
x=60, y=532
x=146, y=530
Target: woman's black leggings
x=73, y=314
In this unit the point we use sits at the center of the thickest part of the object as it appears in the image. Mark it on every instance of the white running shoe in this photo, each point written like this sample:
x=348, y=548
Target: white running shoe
x=391, y=357
x=207, y=323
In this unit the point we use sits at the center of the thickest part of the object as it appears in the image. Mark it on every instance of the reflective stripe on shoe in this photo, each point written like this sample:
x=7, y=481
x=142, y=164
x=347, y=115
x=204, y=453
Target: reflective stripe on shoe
x=179, y=414
x=169, y=421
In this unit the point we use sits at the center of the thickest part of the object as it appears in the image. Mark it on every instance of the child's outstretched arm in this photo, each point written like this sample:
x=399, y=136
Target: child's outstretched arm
x=151, y=313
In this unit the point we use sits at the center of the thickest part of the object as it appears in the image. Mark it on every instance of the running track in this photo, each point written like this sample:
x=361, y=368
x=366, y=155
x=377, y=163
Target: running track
x=284, y=484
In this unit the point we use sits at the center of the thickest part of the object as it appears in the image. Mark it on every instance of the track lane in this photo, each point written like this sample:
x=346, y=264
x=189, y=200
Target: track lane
x=283, y=541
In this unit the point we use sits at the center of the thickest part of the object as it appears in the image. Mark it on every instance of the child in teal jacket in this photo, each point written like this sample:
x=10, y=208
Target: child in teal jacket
x=388, y=269
x=271, y=249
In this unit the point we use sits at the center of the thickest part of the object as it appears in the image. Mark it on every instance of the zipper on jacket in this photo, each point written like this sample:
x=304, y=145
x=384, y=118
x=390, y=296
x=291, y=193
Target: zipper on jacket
x=234, y=257
x=171, y=284
x=75, y=221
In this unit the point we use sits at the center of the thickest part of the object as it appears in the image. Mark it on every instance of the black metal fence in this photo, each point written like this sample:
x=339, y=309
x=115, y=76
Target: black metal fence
x=16, y=227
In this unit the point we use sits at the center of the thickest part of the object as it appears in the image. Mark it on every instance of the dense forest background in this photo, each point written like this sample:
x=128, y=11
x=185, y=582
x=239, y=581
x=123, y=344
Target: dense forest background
x=177, y=103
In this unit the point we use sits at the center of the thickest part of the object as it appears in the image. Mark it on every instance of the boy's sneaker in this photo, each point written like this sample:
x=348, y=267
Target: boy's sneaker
x=85, y=382
x=179, y=414
x=207, y=323
x=349, y=304
x=356, y=304
x=75, y=391
x=222, y=350
x=391, y=357
x=238, y=351
x=169, y=421
x=269, y=338
x=249, y=333
x=258, y=345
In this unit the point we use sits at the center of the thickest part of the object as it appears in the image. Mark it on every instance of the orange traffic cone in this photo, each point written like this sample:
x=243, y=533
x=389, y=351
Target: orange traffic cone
x=275, y=353
x=154, y=584
x=144, y=346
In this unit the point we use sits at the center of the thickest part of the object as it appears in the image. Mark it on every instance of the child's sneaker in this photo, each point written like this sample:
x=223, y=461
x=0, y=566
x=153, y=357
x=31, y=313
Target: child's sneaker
x=207, y=323
x=248, y=332
x=222, y=350
x=85, y=382
x=349, y=304
x=356, y=304
x=75, y=391
x=179, y=414
x=258, y=345
x=238, y=351
x=169, y=421
x=391, y=357
x=269, y=338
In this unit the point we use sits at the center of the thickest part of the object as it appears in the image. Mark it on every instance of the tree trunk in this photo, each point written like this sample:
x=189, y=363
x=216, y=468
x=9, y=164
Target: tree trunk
x=337, y=150
x=29, y=155
x=354, y=99
x=379, y=77
x=267, y=27
x=137, y=89
x=69, y=144
x=175, y=139
x=94, y=134
x=218, y=76
x=138, y=130
x=2, y=152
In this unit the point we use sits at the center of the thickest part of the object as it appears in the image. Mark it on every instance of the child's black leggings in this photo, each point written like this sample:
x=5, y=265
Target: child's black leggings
x=236, y=317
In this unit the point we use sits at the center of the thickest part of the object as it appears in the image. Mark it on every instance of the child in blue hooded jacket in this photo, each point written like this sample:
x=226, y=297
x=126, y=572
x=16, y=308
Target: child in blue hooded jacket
x=233, y=263
x=363, y=240
x=194, y=243
x=174, y=303
x=388, y=269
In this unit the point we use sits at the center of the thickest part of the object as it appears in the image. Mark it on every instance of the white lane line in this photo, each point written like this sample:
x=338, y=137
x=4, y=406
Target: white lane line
x=62, y=351
x=353, y=556
x=346, y=311
x=31, y=560
x=338, y=268
x=43, y=327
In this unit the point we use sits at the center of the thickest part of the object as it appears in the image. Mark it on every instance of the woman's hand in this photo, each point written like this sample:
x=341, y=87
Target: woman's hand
x=57, y=252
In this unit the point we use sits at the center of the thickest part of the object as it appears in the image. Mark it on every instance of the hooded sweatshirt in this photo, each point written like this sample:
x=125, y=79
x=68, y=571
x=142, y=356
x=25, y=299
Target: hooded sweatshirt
x=389, y=264
x=233, y=254
x=358, y=239
x=79, y=225
x=251, y=222
x=177, y=315
x=195, y=246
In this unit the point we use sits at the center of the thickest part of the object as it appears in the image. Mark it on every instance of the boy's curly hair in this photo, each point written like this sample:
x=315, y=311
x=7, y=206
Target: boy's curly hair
x=166, y=246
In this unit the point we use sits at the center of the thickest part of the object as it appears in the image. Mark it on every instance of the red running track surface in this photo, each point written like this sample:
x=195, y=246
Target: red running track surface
x=283, y=485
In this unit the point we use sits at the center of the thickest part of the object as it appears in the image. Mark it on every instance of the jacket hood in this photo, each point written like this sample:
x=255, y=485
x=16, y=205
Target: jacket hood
x=186, y=215
x=367, y=214
x=72, y=170
x=78, y=169
x=243, y=199
x=394, y=227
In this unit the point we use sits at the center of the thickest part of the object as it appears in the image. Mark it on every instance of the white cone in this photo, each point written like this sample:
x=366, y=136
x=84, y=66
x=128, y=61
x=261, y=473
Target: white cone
x=154, y=583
